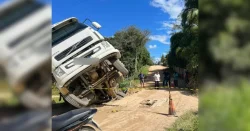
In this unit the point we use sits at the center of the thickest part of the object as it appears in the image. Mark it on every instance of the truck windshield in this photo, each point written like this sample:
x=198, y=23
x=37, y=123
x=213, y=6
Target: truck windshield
x=65, y=32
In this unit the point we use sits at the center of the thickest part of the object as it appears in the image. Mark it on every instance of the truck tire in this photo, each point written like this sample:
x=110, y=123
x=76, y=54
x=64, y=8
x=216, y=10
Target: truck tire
x=120, y=66
x=120, y=93
x=71, y=101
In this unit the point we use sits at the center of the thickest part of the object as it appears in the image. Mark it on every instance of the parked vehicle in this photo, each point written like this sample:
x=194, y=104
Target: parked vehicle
x=75, y=120
x=83, y=63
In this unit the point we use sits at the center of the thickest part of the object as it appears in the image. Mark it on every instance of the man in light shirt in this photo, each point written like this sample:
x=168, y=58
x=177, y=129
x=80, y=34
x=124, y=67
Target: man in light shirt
x=157, y=79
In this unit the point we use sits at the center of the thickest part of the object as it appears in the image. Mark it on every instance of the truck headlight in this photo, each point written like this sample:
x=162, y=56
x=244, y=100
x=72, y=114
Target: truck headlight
x=105, y=44
x=59, y=72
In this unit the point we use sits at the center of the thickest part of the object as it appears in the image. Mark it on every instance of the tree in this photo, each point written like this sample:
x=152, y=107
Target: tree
x=163, y=60
x=224, y=62
x=184, y=44
x=131, y=42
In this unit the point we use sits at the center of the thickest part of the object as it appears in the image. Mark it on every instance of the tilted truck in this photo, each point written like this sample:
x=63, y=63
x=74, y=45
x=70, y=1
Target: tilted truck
x=86, y=68
x=25, y=33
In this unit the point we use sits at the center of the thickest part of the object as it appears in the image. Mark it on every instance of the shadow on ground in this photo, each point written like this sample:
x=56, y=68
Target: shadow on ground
x=164, y=114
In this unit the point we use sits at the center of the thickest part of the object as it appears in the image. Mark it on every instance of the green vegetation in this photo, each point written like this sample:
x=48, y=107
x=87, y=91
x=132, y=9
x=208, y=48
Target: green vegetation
x=7, y=98
x=224, y=38
x=144, y=69
x=133, y=80
x=55, y=90
x=131, y=42
x=9, y=101
x=225, y=108
x=164, y=60
x=186, y=122
x=224, y=61
x=56, y=100
x=55, y=94
x=184, y=41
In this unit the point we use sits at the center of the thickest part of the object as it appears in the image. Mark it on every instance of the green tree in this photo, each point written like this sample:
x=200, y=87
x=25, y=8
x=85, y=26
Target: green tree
x=184, y=44
x=224, y=61
x=163, y=60
x=131, y=42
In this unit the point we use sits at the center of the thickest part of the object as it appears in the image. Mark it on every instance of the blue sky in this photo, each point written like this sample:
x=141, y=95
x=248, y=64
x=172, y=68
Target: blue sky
x=157, y=16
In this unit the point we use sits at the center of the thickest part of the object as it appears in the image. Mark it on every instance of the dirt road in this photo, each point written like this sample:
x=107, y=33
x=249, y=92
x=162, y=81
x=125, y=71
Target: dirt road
x=149, y=81
x=133, y=114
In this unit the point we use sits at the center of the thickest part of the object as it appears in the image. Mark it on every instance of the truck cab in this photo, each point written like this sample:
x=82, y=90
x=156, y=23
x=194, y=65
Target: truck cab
x=97, y=67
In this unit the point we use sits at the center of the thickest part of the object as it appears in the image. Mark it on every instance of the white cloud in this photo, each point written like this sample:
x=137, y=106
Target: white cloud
x=167, y=24
x=169, y=32
x=172, y=7
x=152, y=46
x=164, y=54
x=160, y=38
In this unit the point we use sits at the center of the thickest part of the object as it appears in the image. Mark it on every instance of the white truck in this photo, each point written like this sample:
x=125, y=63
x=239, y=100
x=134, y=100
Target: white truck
x=86, y=68
x=25, y=29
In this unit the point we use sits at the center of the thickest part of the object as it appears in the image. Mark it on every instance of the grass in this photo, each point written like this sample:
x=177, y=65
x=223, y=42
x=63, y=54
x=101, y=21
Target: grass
x=186, y=122
x=55, y=90
x=55, y=95
x=225, y=107
x=7, y=98
x=56, y=100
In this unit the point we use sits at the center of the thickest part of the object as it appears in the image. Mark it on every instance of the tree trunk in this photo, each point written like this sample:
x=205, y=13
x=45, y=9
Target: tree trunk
x=136, y=61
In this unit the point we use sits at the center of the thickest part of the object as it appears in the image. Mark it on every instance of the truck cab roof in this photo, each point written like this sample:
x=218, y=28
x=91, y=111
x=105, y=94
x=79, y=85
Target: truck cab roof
x=63, y=23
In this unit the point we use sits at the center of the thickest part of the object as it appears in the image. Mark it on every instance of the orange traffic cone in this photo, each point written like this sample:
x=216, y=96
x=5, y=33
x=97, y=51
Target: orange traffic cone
x=171, y=110
x=172, y=84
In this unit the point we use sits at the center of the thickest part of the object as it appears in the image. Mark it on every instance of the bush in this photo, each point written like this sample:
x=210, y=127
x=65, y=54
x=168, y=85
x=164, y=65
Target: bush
x=225, y=108
x=54, y=89
x=144, y=71
x=186, y=122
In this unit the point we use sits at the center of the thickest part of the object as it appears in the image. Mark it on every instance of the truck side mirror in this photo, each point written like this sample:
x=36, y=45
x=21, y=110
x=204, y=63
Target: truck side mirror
x=96, y=25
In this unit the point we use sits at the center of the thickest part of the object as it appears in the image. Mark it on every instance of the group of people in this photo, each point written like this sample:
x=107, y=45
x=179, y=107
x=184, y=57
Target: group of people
x=157, y=76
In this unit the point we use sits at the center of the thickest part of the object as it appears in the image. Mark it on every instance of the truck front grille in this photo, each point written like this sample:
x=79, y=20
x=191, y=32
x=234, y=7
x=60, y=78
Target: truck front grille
x=73, y=48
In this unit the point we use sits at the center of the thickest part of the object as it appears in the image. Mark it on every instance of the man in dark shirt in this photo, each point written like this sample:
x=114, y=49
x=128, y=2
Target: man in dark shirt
x=166, y=80
x=141, y=77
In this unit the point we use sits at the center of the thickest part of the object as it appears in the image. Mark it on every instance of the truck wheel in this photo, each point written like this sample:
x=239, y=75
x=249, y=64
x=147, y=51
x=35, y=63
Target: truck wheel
x=120, y=93
x=86, y=128
x=71, y=101
x=120, y=66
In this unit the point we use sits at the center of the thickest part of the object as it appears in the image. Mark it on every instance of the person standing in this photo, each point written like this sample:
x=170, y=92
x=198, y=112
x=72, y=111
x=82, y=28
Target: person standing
x=166, y=78
x=141, y=77
x=157, y=79
x=176, y=79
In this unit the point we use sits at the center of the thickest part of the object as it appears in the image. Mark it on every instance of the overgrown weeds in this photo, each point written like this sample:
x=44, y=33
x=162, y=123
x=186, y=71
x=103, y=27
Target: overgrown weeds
x=186, y=122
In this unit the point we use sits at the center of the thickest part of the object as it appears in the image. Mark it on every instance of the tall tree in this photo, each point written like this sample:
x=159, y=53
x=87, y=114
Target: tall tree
x=184, y=44
x=131, y=42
